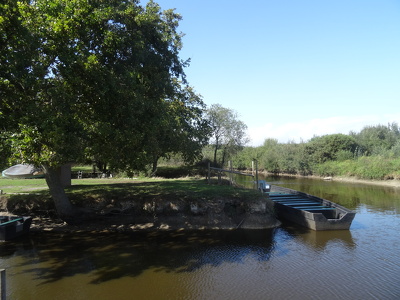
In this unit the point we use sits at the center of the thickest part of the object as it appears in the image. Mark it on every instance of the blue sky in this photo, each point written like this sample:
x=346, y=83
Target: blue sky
x=294, y=69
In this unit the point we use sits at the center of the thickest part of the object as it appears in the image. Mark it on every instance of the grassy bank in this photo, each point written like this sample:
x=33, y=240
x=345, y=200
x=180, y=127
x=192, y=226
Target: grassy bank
x=32, y=195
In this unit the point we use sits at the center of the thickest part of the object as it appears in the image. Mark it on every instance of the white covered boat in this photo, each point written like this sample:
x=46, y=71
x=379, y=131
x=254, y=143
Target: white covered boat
x=23, y=171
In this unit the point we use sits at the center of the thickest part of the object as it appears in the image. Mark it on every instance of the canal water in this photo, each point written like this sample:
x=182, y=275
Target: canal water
x=288, y=262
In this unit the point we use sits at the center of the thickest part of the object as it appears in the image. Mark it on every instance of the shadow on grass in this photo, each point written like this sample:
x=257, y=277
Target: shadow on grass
x=195, y=189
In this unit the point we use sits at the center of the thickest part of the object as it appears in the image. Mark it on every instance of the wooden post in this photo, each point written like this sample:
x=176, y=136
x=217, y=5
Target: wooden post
x=230, y=173
x=256, y=175
x=209, y=173
x=3, y=284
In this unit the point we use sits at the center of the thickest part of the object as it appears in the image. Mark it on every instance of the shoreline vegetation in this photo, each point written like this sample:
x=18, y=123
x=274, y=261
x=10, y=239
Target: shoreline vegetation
x=371, y=154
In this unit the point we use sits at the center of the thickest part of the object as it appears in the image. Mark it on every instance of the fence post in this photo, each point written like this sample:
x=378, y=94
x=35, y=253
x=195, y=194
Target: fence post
x=230, y=173
x=3, y=284
x=256, y=175
x=209, y=173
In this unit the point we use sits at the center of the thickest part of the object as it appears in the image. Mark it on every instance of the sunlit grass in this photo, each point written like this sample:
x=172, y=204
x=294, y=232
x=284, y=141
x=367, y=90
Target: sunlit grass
x=130, y=189
x=22, y=185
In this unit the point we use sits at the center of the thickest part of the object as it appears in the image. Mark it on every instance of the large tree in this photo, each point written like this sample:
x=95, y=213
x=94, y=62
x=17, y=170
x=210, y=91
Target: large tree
x=179, y=129
x=328, y=147
x=83, y=79
x=375, y=140
x=228, y=132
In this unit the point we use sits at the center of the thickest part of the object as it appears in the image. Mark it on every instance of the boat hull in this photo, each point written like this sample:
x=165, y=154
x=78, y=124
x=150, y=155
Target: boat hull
x=12, y=227
x=22, y=171
x=310, y=211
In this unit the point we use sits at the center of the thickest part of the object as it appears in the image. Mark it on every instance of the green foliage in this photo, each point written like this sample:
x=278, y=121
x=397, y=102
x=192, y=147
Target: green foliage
x=343, y=155
x=270, y=157
x=181, y=128
x=375, y=140
x=243, y=159
x=228, y=133
x=99, y=80
x=327, y=147
x=332, y=155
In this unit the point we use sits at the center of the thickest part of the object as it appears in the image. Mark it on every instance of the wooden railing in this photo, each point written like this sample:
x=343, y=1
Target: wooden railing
x=231, y=171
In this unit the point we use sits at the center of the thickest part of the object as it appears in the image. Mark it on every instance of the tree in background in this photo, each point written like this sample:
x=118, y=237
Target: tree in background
x=180, y=129
x=374, y=140
x=82, y=79
x=327, y=147
x=228, y=133
x=270, y=159
x=373, y=153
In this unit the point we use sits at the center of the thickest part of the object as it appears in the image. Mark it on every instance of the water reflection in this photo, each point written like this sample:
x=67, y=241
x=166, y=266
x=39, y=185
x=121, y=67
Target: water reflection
x=290, y=262
x=53, y=256
x=319, y=240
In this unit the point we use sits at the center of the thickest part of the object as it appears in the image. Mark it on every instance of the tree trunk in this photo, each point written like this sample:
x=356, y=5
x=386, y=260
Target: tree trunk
x=154, y=167
x=65, y=210
x=215, y=154
x=223, y=157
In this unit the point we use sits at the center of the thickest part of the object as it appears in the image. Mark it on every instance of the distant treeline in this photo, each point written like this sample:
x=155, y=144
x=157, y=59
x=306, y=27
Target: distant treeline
x=373, y=153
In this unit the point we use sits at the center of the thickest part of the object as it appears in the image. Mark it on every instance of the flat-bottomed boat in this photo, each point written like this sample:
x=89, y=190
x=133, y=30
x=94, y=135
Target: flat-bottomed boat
x=310, y=211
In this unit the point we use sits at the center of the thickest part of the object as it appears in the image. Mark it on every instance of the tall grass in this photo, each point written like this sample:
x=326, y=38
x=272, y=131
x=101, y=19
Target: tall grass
x=365, y=167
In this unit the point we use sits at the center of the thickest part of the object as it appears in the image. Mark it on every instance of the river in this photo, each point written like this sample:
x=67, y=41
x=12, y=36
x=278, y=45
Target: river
x=288, y=262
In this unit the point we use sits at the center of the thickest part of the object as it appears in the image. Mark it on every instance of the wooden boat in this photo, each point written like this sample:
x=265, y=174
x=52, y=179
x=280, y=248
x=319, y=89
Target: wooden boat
x=12, y=227
x=310, y=211
x=22, y=171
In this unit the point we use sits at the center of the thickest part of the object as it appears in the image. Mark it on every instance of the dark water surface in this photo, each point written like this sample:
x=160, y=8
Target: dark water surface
x=289, y=262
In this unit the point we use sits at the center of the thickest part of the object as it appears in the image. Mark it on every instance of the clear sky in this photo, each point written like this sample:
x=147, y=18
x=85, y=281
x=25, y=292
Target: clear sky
x=293, y=69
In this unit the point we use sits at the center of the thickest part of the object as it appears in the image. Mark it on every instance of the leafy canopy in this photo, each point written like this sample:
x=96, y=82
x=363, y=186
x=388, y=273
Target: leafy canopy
x=82, y=79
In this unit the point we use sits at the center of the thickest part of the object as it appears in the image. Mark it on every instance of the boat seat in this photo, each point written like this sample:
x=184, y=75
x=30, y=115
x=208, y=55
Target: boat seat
x=294, y=200
x=313, y=207
x=288, y=199
x=299, y=203
x=11, y=221
x=285, y=195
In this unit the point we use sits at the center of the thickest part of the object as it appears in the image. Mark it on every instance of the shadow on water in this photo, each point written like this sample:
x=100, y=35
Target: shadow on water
x=50, y=257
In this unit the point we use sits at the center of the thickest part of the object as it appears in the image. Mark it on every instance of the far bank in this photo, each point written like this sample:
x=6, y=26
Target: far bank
x=384, y=182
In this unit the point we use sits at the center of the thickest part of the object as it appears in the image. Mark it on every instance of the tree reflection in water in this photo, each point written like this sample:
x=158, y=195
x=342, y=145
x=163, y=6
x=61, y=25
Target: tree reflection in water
x=53, y=256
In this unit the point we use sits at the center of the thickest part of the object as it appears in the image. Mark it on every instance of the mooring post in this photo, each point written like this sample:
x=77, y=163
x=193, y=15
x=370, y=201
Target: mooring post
x=3, y=284
x=256, y=174
x=209, y=173
x=230, y=173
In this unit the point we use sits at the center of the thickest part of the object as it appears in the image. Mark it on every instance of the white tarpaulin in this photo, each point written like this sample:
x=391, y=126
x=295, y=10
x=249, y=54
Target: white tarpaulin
x=22, y=171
